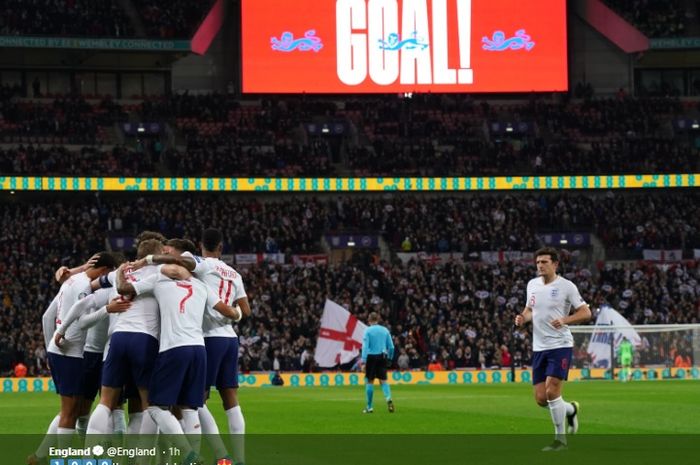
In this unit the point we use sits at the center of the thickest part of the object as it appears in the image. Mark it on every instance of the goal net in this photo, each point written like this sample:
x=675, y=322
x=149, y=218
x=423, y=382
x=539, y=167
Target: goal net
x=637, y=352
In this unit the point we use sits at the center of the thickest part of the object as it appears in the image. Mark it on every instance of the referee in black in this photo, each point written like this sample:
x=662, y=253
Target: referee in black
x=377, y=353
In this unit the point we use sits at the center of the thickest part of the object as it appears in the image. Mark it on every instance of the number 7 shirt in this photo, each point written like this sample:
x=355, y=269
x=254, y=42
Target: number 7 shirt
x=182, y=304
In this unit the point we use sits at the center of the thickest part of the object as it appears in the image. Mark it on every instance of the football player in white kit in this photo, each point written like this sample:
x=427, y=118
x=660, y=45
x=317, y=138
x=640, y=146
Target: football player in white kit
x=220, y=338
x=179, y=374
x=550, y=299
x=66, y=363
x=132, y=351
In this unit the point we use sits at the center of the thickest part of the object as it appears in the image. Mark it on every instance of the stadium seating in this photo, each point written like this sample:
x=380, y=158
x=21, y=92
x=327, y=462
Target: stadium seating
x=218, y=135
x=89, y=18
x=655, y=18
x=163, y=19
x=170, y=19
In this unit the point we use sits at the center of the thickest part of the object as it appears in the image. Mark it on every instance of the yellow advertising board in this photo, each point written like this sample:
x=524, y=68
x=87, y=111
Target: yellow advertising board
x=395, y=377
x=427, y=184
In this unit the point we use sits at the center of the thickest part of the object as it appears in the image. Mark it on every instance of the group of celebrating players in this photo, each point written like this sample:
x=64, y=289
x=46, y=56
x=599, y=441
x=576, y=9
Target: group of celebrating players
x=156, y=332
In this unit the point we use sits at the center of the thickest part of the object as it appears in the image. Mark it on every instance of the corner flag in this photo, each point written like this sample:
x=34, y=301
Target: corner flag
x=340, y=337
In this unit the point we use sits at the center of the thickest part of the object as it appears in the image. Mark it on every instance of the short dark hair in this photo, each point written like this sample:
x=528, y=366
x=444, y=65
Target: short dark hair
x=146, y=235
x=551, y=251
x=211, y=238
x=149, y=247
x=109, y=260
x=183, y=245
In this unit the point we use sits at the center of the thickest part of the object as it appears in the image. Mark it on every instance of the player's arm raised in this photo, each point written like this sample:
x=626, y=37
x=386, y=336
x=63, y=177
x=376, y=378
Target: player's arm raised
x=63, y=273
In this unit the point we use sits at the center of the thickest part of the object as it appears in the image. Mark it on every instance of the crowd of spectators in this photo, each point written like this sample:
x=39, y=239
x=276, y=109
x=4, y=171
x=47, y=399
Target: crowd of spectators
x=428, y=135
x=66, y=120
x=447, y=135
x=87, y=160
x=36, y=238
x=452, y=315
x=172, y=19
x=72, y=18
x=163, y=19
x=655, y=18
x=410, y=223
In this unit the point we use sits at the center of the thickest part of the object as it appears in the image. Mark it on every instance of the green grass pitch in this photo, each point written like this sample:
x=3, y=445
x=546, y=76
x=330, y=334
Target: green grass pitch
x=651, y=407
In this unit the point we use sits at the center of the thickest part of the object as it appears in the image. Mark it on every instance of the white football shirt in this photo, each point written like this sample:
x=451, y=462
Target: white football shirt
x=227, y=283
x=550, y=302
x=182, y=305
x=74, y=342
x=143, y=315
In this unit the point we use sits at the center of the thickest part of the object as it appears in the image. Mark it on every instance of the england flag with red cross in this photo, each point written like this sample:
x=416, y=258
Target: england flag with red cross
x=340, y=336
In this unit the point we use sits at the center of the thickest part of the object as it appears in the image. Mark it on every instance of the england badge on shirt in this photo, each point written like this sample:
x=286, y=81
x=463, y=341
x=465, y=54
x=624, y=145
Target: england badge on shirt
x=554, y=294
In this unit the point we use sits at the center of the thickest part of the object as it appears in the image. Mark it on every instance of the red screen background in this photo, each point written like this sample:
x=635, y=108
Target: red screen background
x=543, y=69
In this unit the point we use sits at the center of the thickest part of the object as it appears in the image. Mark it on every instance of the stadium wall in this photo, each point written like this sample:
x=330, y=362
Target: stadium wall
x=595, y=60
x=396, y=377
x=218, y=67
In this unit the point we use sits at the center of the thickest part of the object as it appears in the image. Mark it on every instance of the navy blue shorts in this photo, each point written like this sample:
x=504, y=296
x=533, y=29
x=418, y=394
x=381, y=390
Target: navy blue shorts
x=67, y=374
x=222, y=362
x=554, y=363
x=130, y=360
x=92, y=374
x=179, y=377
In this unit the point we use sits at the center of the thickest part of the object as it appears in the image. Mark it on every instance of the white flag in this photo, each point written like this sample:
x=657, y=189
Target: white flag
x=599, y=345
x=340, y=337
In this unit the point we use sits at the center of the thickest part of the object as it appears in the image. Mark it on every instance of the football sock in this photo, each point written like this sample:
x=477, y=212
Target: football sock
x=369, y=392
x=81, y=425
x=387, y=391
x=236, y=426
x=193, y=429
x=135, y=421
x=65, y=437
x=118, y=421
x=557, y=409
x=211, y=431
x=43, y=449
x=100, y=421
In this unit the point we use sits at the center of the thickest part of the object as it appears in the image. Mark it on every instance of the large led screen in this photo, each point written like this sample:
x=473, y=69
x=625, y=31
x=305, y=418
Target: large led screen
x=382, y=46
